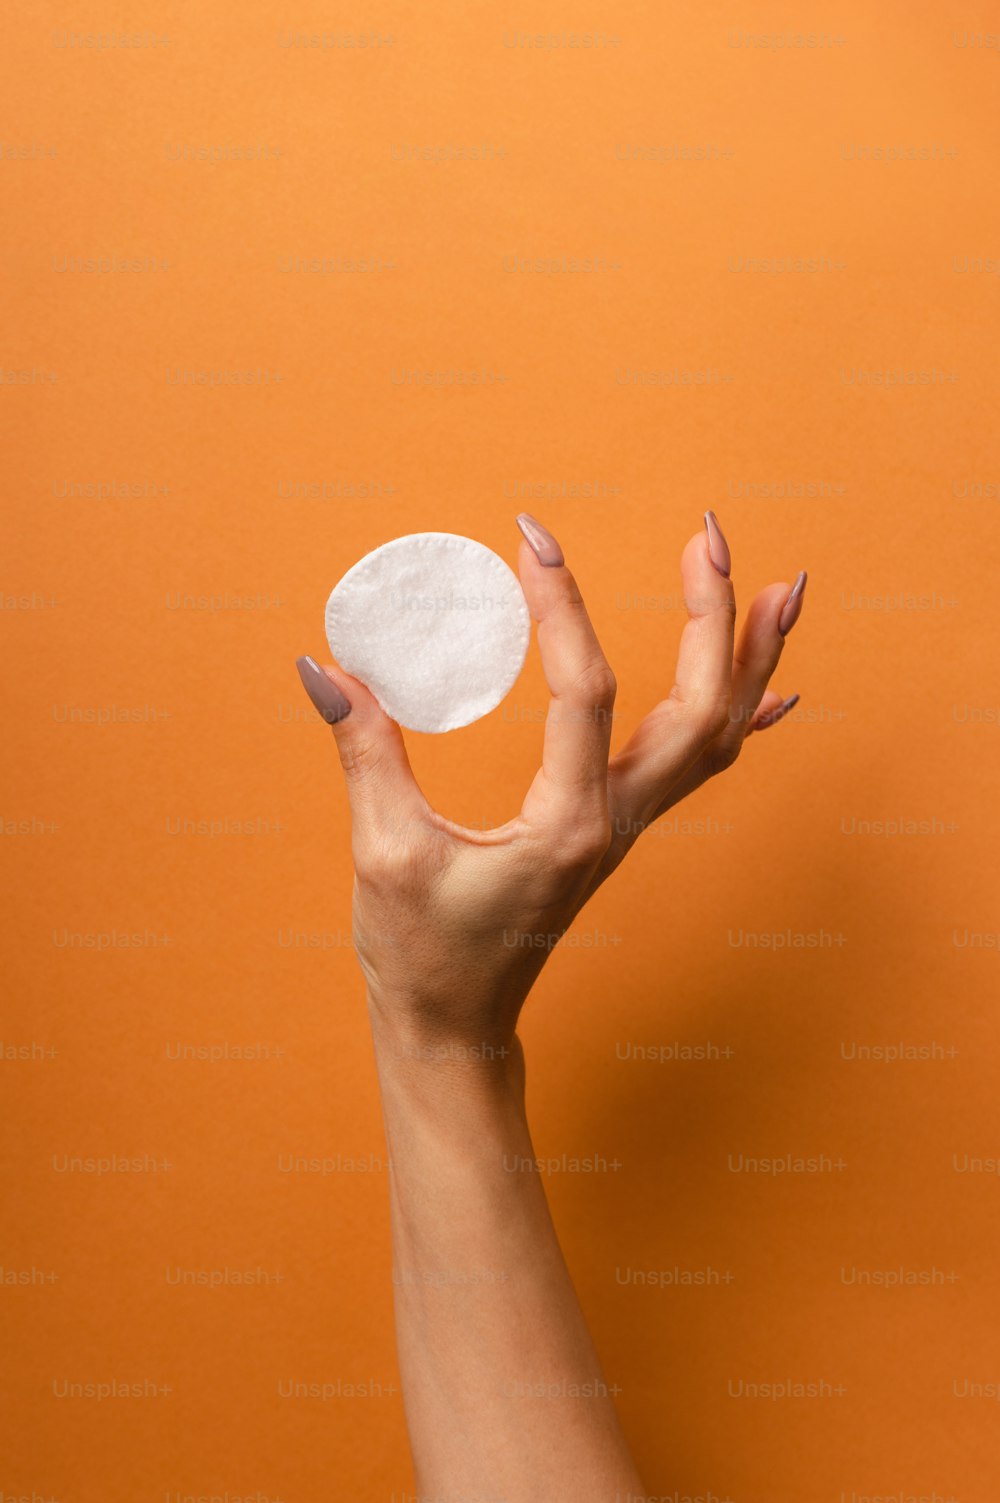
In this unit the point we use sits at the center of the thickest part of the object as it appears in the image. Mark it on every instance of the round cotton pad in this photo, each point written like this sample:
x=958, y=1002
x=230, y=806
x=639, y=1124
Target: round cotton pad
x=435, y=625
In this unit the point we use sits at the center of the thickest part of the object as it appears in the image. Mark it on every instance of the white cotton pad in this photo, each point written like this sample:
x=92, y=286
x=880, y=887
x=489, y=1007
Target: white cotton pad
x=435, y=625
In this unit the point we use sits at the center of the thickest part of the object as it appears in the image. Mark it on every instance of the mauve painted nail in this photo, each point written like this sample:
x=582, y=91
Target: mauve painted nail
x=792, y=608
x=323, y=692
x=778, y=713
x=718, y=548
x=541, y=541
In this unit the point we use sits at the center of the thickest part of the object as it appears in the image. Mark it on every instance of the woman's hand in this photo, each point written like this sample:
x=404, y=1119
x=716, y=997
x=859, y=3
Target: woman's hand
x=453, y=925
x=501, y=1380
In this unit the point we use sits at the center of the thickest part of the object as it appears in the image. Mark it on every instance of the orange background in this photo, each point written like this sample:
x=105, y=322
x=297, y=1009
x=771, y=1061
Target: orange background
x=133, y=705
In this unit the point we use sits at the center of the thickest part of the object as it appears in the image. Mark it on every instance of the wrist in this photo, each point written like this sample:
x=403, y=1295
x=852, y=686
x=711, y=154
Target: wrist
x=445, y=1069
x=452, y=1024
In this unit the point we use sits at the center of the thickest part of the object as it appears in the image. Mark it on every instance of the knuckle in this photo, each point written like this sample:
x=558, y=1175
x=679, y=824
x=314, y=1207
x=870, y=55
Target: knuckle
x=723, y=754
x=713, y=717
x=383, y=863
x=595, y=684
x=585, y=842
x=701, y=608
x=707, y=715
x=357, y=756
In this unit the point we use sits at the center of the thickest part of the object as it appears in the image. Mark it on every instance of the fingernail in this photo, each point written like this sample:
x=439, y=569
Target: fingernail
x=323, y=692
x=541, y=541
x=778, y=713
x=792, y=608
x=718, y=548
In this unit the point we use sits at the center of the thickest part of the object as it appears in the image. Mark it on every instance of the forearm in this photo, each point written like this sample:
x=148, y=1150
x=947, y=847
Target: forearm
x=504, y=1394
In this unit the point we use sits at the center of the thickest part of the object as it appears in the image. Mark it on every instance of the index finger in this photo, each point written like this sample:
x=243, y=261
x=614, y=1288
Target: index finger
x=583, y=687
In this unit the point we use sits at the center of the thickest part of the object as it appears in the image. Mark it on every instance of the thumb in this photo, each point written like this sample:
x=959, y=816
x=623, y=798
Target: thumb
x=381, y=788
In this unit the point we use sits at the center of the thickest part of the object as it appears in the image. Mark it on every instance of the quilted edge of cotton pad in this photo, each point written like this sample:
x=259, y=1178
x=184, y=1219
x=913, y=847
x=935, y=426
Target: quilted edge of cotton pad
x=452, y=540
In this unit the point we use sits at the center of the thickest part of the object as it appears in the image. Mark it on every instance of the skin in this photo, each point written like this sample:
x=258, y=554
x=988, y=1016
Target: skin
x=503, y=1389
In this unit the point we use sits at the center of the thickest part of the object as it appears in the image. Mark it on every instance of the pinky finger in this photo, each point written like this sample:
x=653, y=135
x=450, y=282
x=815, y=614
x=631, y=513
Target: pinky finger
x=718, y=757
x=771, y=709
